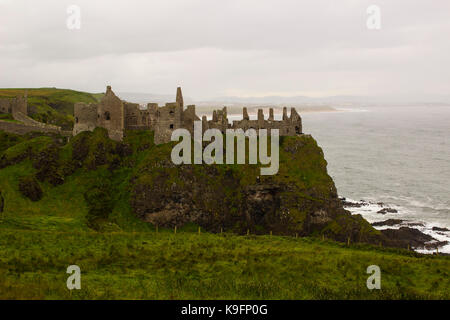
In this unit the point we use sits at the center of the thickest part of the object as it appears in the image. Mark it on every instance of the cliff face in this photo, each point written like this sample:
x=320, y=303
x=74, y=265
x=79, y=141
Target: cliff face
x=141, y=180
x=301, y=199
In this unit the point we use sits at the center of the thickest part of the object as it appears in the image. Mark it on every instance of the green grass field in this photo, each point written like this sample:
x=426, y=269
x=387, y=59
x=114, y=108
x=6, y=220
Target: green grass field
x=52, y=105
x=188, y=265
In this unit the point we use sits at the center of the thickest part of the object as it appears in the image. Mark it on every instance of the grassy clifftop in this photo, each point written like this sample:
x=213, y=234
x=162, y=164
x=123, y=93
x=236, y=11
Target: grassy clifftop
x=144, y=185
x=52, y=105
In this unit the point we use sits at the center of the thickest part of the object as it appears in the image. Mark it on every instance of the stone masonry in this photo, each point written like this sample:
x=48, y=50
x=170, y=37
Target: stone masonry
x=14, y=105
x=18, y=107
x=117, y=116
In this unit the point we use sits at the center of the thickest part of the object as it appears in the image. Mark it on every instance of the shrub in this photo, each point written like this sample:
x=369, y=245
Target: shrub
x=2, y=202
x=30, y=188
x=99, y=201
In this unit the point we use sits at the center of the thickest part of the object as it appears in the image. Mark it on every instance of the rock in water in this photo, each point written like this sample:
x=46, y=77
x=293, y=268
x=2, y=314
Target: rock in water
x=440, y=229
x=405, y=235
x=389, y=222
x=387, y=210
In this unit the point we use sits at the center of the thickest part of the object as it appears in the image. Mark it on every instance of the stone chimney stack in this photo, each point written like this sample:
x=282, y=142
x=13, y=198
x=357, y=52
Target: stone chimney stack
x=245, y=114
x=294, y=115
x=285, y=117
x=108, y=89
x=260, y=115
x=224, y=115
x=214, y=117
x=260, y=118
x=271, y=114
x=180, y=97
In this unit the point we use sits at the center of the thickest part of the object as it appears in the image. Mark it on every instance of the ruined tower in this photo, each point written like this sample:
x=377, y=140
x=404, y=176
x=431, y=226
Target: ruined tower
x=180, y=97
x=85, y=117
x=15, y=105
x=111, y=115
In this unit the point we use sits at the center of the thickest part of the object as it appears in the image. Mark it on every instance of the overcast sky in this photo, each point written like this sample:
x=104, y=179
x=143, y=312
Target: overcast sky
x=229, y=47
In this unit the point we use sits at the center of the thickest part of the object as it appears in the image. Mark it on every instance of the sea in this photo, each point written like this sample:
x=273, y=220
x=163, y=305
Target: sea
x=398, y=156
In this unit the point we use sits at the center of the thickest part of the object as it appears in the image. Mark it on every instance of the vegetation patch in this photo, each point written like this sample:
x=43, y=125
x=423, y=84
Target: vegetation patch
x=51, y=105
x=30, y=188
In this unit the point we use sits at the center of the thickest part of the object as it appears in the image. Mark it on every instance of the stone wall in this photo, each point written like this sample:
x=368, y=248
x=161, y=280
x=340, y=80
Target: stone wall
x=19, y=116
x=13, y=105
x=133, y=115
x=20, y=128
x=111, y=115
x=20, y=105
x=219, y=121
x=85, y=117
x=168, y=119
x=288, y=126
x=117, y=116
x=5, y=105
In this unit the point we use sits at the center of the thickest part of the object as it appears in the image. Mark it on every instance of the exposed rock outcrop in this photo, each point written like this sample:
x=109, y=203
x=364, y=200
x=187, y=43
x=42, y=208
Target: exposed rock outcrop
x=387, y=210
x=389, y=222
x=440, y=229
x=407, y=236
x=301, y=199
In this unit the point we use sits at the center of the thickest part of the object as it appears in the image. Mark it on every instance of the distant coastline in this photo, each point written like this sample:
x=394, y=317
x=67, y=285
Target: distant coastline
x=236, y=111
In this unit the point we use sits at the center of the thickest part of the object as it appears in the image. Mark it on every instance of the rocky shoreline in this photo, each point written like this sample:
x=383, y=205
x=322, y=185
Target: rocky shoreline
x=402, y=231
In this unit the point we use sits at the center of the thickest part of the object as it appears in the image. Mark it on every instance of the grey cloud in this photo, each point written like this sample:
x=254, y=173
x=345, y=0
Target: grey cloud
x=233, y=47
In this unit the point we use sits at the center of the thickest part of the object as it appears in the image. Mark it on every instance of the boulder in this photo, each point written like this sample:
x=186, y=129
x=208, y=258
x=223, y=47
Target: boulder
x=440, y=229
x=387, y=210
x=389, y=222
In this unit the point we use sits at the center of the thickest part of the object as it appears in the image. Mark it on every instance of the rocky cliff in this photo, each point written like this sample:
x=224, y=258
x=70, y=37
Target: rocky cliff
x=301, y=199
x=140, y=180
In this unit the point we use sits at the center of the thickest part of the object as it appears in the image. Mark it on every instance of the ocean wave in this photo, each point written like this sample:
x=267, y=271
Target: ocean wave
x=370, y=211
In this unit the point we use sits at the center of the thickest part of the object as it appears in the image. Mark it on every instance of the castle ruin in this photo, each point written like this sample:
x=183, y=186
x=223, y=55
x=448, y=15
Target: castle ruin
x=14, y=105
x=117, y=116
x=18, y=108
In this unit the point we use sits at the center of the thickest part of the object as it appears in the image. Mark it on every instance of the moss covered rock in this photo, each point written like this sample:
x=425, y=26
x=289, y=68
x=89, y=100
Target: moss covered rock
x=301, y=199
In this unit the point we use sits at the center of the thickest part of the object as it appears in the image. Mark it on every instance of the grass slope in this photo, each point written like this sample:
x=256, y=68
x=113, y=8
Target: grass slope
x=51, y=105
x=186, y=265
